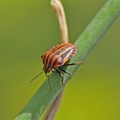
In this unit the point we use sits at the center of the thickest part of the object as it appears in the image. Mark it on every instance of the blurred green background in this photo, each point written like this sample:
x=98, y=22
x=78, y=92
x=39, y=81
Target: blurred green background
x=27, y=29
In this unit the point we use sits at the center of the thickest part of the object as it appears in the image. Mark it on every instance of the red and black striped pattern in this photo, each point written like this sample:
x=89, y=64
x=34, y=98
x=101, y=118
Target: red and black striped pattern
x=58, y=56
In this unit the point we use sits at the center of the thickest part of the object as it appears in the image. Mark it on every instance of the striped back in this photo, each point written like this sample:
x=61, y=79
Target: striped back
x=58, y=56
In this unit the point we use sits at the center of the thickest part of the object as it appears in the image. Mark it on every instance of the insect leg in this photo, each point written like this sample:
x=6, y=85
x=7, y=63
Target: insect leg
x=48, y=80
x=76, y=63
x=64, y=71
x=60, y=75
x=53, y=71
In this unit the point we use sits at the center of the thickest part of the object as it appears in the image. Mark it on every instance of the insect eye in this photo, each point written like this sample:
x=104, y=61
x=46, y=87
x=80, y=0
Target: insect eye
x=42, y=56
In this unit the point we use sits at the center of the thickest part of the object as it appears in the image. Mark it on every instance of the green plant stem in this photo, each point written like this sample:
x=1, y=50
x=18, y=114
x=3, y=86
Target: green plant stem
x=85, y=43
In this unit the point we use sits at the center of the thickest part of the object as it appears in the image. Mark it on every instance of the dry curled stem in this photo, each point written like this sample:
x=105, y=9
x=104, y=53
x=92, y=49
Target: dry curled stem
x=60, y=14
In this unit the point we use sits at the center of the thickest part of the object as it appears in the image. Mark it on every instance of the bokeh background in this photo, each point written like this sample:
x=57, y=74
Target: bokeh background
x=27, y=29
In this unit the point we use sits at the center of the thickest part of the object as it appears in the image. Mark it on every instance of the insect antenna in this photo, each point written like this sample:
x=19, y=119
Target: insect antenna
x=36, y=76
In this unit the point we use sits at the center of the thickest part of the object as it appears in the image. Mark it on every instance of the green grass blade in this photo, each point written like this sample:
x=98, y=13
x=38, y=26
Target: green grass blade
x=85, y=43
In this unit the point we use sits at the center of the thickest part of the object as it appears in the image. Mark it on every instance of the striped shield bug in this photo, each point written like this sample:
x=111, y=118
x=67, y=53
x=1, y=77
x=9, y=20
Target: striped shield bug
x=56, y=57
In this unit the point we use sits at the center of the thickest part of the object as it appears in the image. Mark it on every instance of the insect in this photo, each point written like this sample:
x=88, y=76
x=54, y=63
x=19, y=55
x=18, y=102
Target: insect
x=57, y=57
